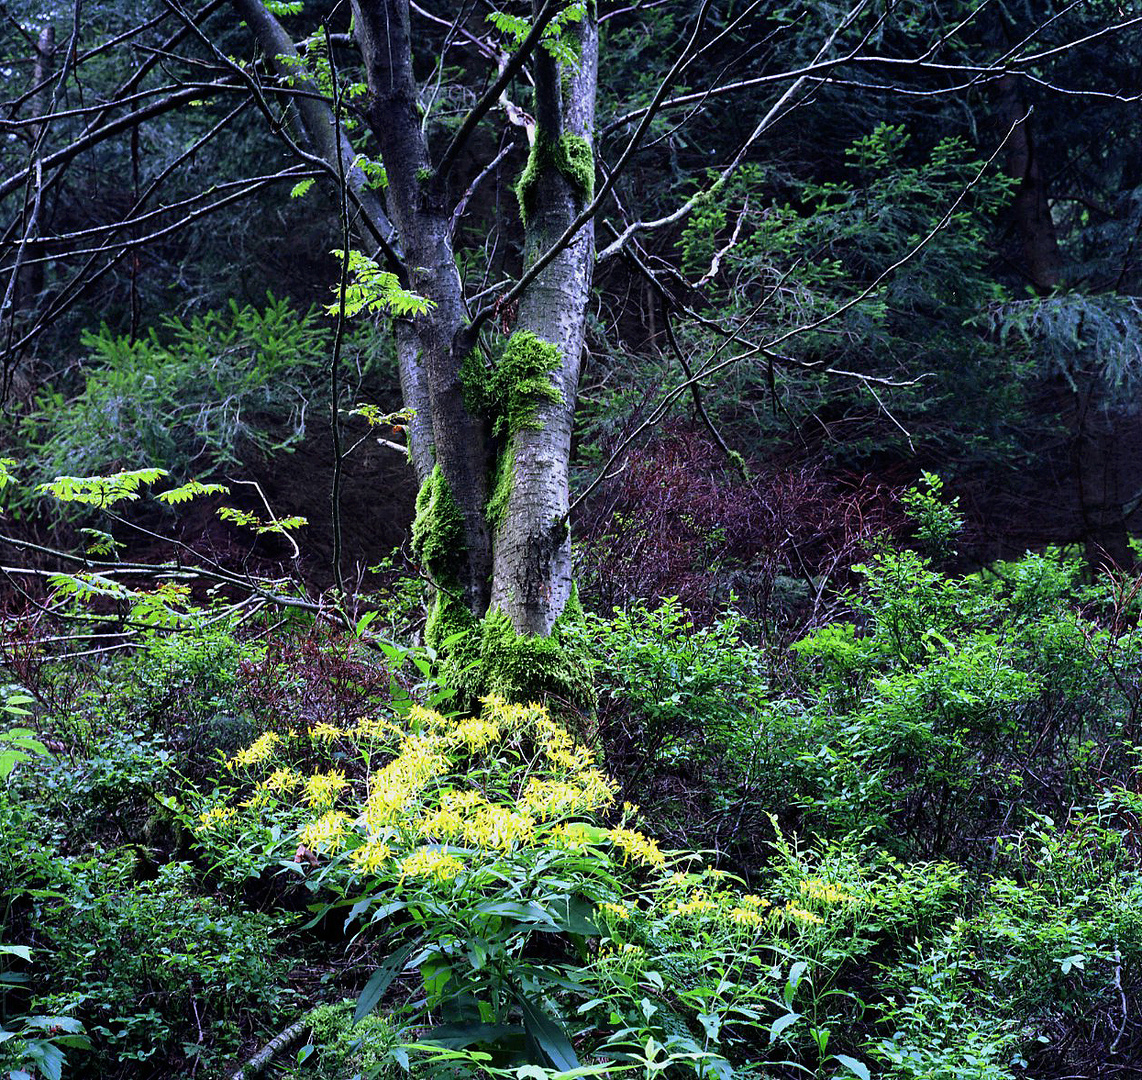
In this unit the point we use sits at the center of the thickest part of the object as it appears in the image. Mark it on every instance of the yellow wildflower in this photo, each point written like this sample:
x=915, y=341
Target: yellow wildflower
x=283, y=780
x=369, y=727
x=476, y=734
x=752, y=901
x=321, y=788
x=696, y=905
x=327, y=833
x=826, y=892
x=795, y=911
x=216, y=815
x=746, y=917
x=619, y=911
x=324, y=732
x=402, y=780
x=257, y=752
x=636, y=846
x=444, y=824
x=370, y=856
x=431, y=863
x=498, y=827
x=549, y=799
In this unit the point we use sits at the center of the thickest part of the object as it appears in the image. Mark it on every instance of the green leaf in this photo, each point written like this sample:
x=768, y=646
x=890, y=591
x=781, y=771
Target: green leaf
x=300, y=188
x=379, y=982
x=548, y=1035
x=574, y=915
x=781, y=1023
x=101, y=490
x=192, y=489
x=857, y=1068
x=21, y=951
x=460, y=1035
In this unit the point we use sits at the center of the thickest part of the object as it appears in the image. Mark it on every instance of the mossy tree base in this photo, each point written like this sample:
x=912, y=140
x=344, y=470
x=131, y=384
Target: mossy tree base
x=487, y=656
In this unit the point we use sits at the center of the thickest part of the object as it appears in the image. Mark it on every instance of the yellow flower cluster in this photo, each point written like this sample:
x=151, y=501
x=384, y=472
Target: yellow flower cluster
x=321, y=788
x=826, y=892
x=257, y=752
x=467, y=816
x=370, y=856
x=622, y=956
x=698, y=904
x=550, y=799
x=327, y=833
x=431, y=863
x=746, y=917
x=324, y=732
x=617, y=911
x=216, y=815
x=402, y=780
x=369, y=727
x=573, y=835
x=476, y=734
x=635, y=846
x=795, y=911
x=282, y=780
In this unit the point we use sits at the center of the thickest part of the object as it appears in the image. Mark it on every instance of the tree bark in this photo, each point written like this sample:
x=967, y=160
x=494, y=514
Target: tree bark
x=1031, y=209
x=515, y=561
x=532, y=581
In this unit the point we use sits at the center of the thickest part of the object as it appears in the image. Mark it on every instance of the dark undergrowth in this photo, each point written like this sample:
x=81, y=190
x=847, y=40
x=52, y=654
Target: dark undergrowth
x=873, y=818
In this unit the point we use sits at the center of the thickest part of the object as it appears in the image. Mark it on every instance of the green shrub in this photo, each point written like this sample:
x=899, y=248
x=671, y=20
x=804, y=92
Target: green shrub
x=187, y=398
x=155, y=970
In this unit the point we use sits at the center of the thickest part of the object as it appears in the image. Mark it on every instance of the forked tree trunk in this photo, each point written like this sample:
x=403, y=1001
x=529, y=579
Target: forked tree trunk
x=492, y=518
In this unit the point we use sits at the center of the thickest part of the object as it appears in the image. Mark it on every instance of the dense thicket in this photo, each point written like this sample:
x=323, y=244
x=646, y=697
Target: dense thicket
x=831, y=777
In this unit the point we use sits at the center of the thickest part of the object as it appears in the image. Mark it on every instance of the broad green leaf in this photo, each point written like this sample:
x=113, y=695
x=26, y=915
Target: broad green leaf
x=548, y=1035
x=781, y=1023
x=379, y=982
x=857, y=1068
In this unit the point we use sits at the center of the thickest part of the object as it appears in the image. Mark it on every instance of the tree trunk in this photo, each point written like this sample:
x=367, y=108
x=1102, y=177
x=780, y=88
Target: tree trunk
x=1039, y=257
x=532, y=580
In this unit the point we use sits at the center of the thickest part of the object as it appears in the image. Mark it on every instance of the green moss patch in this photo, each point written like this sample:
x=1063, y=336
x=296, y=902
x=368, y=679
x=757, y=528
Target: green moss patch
x=438, y=528
x=501, y=488
x=487, y=656
x=570, y=154
x=522, y=381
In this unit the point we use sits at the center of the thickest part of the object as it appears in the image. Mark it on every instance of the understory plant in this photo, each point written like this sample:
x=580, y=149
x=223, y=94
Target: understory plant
x=528, y=920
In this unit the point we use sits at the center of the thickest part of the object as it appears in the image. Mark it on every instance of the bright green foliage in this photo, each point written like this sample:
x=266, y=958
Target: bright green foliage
x=438, y=529
x=17, y=744
x=102, y=491
x=189, y=397
x=192, y=489
x=937, y=522
x=339, y=1048
x=373, y=290
x=688, y=698
x=570, y=154
x=247, y=520
x=563, y=49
